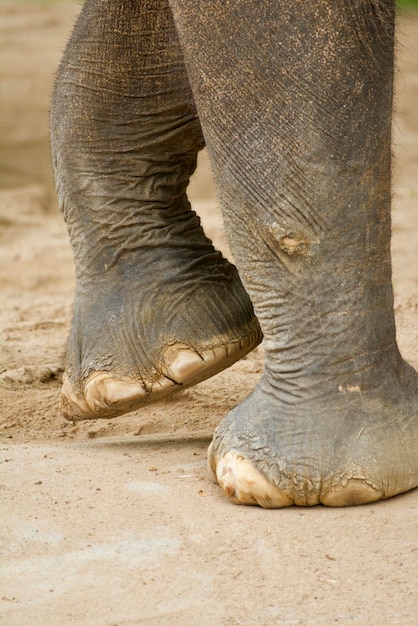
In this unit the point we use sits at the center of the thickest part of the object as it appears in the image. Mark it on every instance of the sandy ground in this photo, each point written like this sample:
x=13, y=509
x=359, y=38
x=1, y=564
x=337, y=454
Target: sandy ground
x=115, y=522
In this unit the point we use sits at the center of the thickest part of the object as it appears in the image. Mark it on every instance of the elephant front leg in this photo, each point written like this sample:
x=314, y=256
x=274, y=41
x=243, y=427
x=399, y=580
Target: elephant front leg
x=156, y=307
x=295, y=102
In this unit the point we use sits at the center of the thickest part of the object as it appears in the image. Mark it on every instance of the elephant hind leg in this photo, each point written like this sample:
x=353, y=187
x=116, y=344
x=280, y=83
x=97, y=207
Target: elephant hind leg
x=156, y=307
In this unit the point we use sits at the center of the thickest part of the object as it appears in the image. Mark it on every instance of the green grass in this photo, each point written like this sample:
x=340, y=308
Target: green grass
x=409, y=4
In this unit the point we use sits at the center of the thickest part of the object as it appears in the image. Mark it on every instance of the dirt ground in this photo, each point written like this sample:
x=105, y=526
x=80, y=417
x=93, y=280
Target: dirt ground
x=115, y=523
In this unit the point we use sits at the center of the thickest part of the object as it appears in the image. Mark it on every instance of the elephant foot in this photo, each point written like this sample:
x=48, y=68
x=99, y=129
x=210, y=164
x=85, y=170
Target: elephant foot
x=107, y=394
x=344, y=452
x=132, y=343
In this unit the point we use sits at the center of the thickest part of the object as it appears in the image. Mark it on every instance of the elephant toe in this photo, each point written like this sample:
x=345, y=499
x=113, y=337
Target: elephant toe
x=243, y=483
x=353, y=491
x=104, y=396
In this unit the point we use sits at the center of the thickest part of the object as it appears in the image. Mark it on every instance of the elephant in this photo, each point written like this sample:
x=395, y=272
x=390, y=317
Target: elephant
x=294, y=104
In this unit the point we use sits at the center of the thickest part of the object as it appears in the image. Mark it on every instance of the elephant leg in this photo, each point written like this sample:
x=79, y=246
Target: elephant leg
x=156, y=307
x=295, y=101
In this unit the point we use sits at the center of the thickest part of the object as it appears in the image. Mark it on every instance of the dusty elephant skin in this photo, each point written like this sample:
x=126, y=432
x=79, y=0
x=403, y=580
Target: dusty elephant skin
x=297, y=121
x=156, y=308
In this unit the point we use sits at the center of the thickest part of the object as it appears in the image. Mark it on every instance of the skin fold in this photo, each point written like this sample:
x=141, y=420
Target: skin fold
x=294, y=102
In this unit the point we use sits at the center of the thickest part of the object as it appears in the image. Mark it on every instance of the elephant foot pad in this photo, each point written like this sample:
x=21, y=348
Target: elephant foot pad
x=106, y=394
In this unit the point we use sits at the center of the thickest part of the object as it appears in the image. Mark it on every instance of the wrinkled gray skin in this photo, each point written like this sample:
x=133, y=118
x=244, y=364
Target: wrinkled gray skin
x=294, y=102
